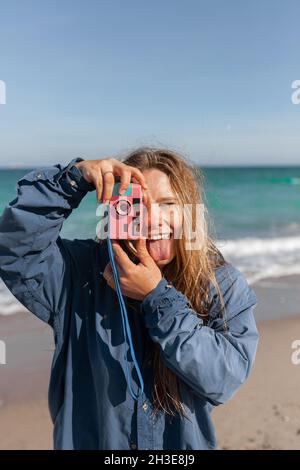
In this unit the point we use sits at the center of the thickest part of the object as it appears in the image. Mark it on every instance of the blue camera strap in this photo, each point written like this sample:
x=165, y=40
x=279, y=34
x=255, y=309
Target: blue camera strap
x=126, y=326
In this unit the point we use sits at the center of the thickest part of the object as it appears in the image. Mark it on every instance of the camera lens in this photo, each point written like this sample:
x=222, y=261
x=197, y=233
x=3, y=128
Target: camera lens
x=122, y=207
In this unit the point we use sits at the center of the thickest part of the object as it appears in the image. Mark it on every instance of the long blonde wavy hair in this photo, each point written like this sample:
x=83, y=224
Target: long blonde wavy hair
x=190, y=271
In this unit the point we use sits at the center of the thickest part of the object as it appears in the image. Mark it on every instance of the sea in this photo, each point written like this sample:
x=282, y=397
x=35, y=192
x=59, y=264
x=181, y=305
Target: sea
x=253, y=216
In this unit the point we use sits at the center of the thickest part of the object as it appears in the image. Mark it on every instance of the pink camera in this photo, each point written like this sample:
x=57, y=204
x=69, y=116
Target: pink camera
x=127, y=213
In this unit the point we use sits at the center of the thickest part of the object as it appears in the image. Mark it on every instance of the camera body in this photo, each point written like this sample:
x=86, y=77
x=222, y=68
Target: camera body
x=127, y=214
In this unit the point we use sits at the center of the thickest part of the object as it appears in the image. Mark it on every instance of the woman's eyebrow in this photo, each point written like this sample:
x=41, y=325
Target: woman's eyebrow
x=167, y=198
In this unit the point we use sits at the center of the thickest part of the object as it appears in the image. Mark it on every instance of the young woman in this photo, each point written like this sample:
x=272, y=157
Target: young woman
x=190, y=311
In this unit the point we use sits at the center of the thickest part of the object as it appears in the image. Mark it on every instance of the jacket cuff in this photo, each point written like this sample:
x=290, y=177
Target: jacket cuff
x=74, y=177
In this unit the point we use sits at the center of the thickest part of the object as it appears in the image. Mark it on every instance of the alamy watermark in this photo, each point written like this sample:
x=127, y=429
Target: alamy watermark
x=2, y=352
x=295, y=357
x=2, y=92
x=295, y=97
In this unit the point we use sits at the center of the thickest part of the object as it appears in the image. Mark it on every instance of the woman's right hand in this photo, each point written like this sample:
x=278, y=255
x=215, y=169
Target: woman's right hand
x=102, y=174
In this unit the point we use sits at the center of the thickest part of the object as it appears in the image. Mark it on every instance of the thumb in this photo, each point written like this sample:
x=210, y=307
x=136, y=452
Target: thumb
x=142, y=252
x=108, y=272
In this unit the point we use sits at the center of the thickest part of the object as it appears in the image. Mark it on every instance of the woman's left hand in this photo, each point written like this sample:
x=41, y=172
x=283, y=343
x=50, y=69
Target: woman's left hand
x=136, y=280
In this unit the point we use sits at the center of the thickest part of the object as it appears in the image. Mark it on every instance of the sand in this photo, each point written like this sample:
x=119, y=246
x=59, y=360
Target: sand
x=264, y=414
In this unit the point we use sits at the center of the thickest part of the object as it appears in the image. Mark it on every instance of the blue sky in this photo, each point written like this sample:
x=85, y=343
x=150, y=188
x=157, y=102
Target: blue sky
x=210, y=78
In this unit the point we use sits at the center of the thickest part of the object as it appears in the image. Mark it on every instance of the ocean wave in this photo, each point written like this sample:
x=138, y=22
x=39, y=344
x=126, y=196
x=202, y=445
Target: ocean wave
x=261, y=258
x=287, y=180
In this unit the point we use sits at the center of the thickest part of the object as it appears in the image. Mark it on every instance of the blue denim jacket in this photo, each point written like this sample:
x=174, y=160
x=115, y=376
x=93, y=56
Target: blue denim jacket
x=61, y=282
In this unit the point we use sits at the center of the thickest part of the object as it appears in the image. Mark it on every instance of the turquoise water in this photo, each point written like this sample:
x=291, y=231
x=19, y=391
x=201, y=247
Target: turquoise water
x=255, y=216
x=259, y=202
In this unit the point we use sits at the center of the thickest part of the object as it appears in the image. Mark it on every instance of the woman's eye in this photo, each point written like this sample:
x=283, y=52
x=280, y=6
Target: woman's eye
x=166, y=204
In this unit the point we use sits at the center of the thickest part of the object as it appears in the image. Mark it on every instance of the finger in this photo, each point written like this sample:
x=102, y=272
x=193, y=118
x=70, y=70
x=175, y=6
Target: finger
x=107, y=271
x=134, y=180
x=121, y=256
x=99, y=188
x=146, y=198
x=108, y=184
x=138, y=175
x=111, y=282
x=109, y=275
x=142, y=252
x=125, y=181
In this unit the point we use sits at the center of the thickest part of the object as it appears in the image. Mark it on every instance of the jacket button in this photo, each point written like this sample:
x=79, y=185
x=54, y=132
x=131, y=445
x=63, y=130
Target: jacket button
x=73, y=183
x=145, y=407
x=133, y=446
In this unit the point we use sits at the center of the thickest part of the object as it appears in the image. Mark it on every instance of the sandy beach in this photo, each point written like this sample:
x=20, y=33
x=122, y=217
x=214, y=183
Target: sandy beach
x=265, y=414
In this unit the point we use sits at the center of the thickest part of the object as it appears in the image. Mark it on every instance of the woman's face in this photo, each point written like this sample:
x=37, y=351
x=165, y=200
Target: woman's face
x=163, y=217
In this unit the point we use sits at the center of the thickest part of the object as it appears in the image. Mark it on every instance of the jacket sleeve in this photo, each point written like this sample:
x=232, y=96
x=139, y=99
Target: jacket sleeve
x=34, y=260
x=213, y=361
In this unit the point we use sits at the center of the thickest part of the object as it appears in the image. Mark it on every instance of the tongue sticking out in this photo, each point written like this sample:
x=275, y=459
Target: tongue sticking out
x=160, y=249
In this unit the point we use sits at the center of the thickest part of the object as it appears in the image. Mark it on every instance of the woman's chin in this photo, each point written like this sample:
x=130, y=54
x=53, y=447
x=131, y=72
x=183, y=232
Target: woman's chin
x=163, y=262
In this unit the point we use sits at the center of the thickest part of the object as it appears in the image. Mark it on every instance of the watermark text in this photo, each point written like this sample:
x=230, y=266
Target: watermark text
x=2, y=92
